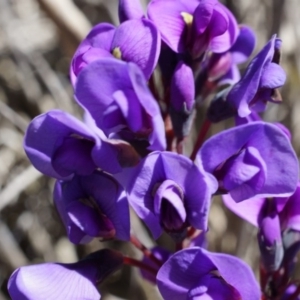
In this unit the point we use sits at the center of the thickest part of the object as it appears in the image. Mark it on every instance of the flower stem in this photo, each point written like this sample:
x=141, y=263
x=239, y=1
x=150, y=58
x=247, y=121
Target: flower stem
x=137, y=243
x=202, y=133
x=137, y=263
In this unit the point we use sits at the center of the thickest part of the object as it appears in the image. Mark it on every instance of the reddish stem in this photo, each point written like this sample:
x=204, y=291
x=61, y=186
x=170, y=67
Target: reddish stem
x=137, y=243
x=191, y=232
x=137, y=263
x=204, y=129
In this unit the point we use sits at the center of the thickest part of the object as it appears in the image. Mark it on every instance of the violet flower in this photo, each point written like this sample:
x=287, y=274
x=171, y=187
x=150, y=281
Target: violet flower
x=93, y=206
x=256, y=159
x=168, y=192
x=195, y=273
x=276, y=219
x=116, y=96
x=59, y=145
x=196, y=26
x=260, y=82
x=135, y=41
x=55, y=281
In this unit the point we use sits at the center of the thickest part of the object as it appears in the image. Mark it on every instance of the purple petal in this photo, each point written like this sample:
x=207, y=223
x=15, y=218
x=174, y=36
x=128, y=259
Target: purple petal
x=182, y=88
x=88, y=220
x=222, y=43
x=203, y=14
x=273, y=76
x=71, y=157
x=244, y=45
x=249, y=210
x=194, y=183
x=50, y=281
x=106, y=212
x=167, y=16
x=290, y=215
x=130, y=9
x=253, y=117
x=185, y=270
x=56, y=281
x=274, y=149
x=58, y=127
x=181, y=272
x=219, y=22
x=245, y=90
x=99, y=37
x=139, y=42
x=236, y=273
x=157, y=138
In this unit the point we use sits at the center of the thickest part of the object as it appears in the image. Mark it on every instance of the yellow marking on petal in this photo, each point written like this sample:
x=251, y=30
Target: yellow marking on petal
x=117, y=53
x=187, y=18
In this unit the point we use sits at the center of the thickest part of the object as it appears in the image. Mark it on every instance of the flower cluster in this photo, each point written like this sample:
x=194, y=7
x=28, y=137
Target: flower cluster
x=129, y=151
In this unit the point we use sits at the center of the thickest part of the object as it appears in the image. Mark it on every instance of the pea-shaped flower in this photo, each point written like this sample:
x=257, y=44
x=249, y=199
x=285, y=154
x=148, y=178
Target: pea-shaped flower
x=255, y=159
x=195, y=273
x=260, y=82
x=117, y=97
x=93, y=206
x=169, y=192
x=194, y=26
x=135, y=41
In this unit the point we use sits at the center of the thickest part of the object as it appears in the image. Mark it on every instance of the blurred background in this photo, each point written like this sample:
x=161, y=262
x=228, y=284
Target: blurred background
x=37, y=41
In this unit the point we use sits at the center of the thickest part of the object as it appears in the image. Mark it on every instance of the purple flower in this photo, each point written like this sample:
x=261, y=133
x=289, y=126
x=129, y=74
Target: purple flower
x=255, y=159
x=170, y=193
x=260, y=82
x=195, y=273
x=55, y=281
x=196, y=25
x=116, y=95
x=93, y=206
x=276, y=219
x=135, y=41
x=59, y=146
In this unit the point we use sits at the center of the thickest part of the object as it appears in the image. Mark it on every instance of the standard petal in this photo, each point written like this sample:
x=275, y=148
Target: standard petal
x=274, y=148
x=56, y=281
x=280, y=159
x=223, y=42
x=236, y=273
x=203, y=14
x=100, y=37
x=130, y=9
x=167, y=16
x=51, y=281
x=138, y=42
x=97, y=83
x=181, y=272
